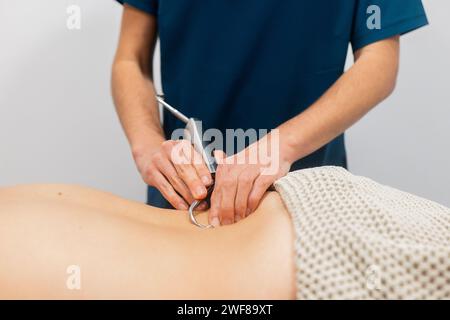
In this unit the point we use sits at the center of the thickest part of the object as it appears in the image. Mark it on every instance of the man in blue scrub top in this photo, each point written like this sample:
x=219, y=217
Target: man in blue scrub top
x=261, y=64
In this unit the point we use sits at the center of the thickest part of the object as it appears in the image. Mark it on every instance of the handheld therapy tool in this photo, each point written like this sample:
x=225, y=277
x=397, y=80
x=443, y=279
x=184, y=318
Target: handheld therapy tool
x=193, y=133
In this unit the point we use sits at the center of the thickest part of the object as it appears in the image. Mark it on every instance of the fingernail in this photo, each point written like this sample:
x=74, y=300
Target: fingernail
x=237, y=218
x=205, y=180
x=200, y=191
x=215, y=222
x=248, y=211
x=183, y=206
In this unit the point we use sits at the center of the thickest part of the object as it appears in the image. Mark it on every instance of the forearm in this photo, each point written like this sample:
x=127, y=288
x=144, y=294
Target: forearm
x=134, y=97
x=371, y=79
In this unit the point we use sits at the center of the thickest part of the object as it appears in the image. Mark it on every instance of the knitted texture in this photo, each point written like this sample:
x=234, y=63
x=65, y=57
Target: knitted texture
x=357, y=239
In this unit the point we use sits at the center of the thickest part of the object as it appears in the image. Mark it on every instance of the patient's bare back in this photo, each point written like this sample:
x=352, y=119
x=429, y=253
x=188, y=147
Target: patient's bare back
x=126, y=249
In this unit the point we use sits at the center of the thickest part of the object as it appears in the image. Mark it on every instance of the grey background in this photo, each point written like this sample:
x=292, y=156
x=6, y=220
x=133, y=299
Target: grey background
x=57, y=120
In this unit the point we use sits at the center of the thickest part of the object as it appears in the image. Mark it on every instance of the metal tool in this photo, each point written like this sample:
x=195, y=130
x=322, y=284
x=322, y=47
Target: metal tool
x=193, y=133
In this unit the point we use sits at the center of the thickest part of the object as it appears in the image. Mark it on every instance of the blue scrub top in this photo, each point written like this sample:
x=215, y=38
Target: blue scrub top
x=258, y=63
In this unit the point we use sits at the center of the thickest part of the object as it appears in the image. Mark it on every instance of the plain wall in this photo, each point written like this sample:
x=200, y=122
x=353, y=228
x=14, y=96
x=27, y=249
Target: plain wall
x=58, y=124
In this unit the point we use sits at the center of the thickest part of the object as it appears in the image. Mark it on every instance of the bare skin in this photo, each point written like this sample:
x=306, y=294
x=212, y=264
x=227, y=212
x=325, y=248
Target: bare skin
x=134, y=96
x=129, y=250
x=239, y=187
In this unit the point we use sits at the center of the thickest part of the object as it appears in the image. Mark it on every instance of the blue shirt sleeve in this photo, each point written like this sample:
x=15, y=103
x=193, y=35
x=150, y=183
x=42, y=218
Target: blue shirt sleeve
x=148, y=6
x=396, y=17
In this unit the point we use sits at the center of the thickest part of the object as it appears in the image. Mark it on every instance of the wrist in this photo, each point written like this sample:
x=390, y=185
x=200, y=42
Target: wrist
x=290, y=146
x=272, y=147
x=143, y=147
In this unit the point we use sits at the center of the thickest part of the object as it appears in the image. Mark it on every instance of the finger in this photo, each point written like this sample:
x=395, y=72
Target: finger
x=245, y=185
x=214, y=211
x=220, y=157
x=168, y=170
x=227, y=210
x=226, y=183
x=203, y=206
x=191, y=179
x=200, y=167
x=260, y=186
x=168, y=191
x=186, y=170
x=216, y=197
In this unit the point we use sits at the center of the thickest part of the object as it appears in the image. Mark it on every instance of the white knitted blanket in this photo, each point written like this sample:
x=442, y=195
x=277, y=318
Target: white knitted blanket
x=357, y=239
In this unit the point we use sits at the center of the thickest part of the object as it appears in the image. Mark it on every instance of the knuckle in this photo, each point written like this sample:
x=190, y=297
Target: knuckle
x=191, y=178
x=221, y=169
x=167, y=145
x=157, y=157
x=164, y=188
x=259, y=187
x=266, y=181
x=195, y=186
x=246, y=178
x=185, y=146
x=229, y=182
x=176, y=181
x=240, y=209
x=194, y=180
x=164, y=185
x=253, y=201
x=182, y=169
x=171, y=195
x=149, y=172
x=185, y=143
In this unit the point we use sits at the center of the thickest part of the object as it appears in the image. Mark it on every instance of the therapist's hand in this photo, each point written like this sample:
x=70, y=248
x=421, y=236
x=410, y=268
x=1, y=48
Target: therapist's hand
x=176, y=170
x=240, y=185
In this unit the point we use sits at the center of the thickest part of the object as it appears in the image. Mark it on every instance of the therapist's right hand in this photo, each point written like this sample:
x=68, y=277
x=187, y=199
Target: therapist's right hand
x=176, y=170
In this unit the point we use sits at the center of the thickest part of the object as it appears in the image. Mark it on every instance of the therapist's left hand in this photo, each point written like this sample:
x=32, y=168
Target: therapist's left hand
x=241, y=181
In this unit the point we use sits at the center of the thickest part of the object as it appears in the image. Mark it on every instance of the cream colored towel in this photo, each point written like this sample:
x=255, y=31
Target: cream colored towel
x=357, y=239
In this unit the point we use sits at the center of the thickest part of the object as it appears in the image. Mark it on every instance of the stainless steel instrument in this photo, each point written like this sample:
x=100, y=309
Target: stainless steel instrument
x=193, y=133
